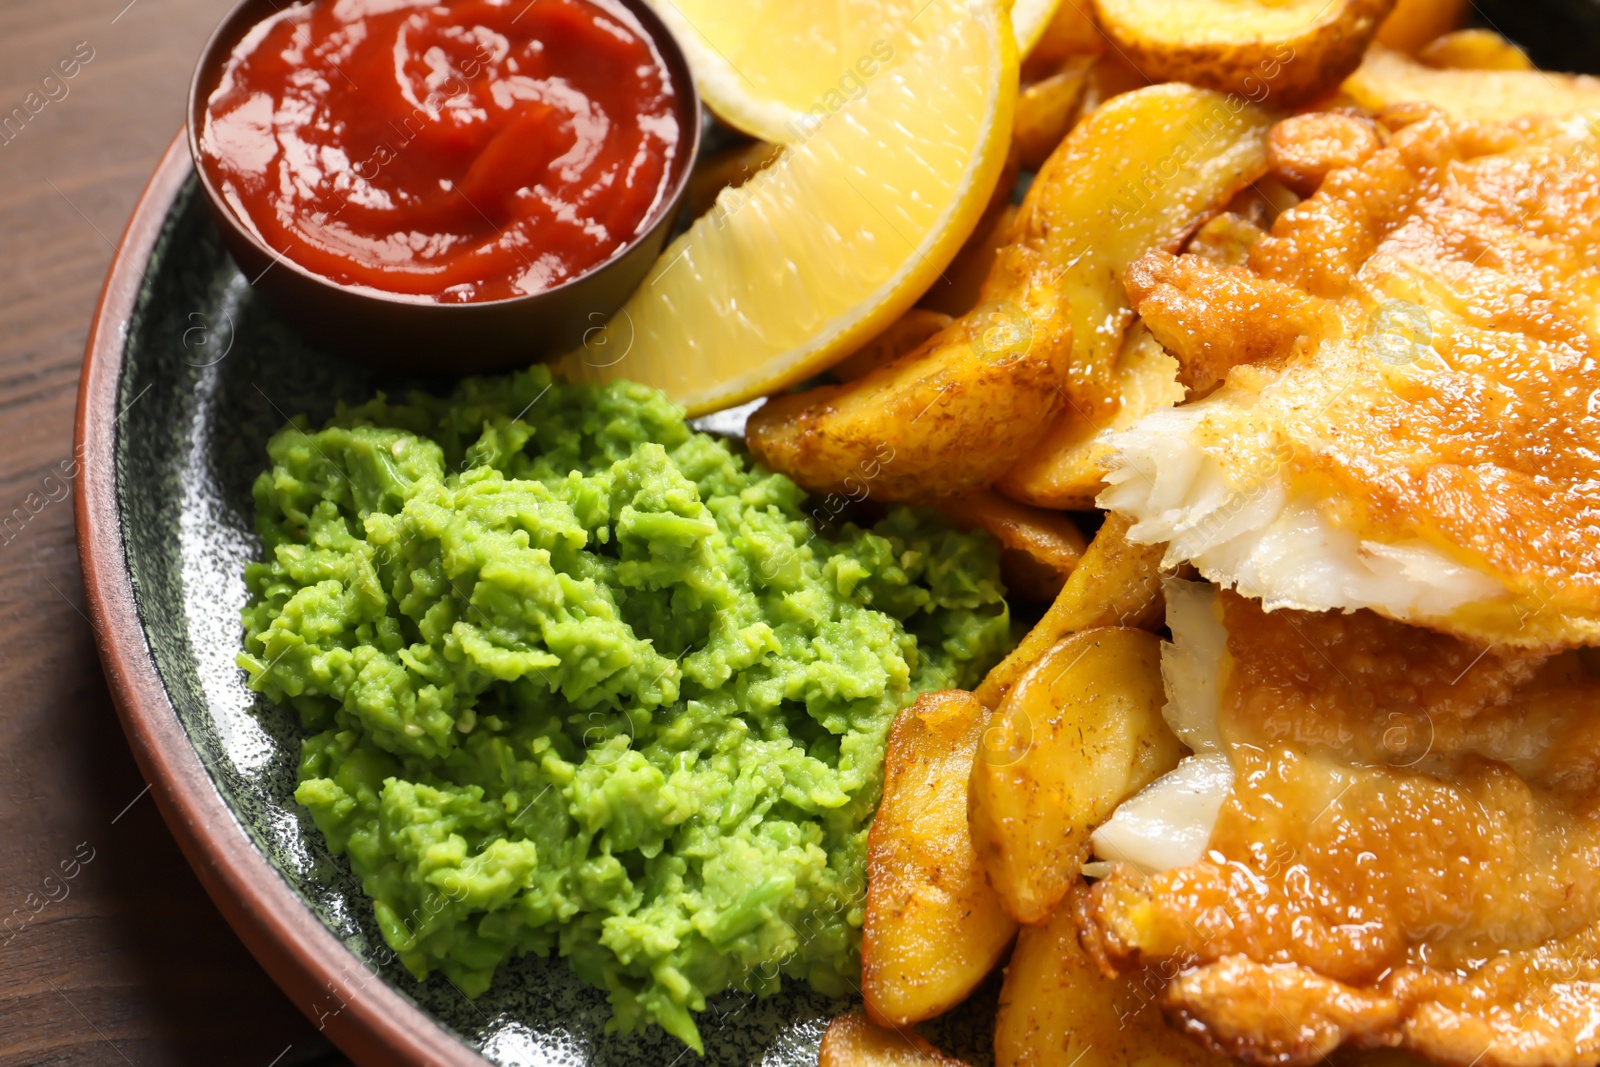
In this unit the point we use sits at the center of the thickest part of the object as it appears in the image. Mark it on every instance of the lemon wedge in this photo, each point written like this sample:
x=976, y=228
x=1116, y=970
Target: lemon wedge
x=1030, y=17
x=815, y=255
x=775, y=68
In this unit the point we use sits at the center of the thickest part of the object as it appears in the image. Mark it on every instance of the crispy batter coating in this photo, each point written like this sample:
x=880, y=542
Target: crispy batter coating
x=1213, y=318
x=1407, y=857
x=1226, y=239
x=1291, y=1013
x=1304, y=149
x=1423, y=332
x=1438, y=195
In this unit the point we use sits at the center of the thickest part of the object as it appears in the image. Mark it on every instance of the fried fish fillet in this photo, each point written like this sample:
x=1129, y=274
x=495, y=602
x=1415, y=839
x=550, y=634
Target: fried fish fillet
x=1406, y=854
x=1410, y=420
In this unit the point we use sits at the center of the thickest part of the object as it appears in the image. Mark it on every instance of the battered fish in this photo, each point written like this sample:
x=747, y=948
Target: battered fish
x=1404, y=856
x=1410, y=420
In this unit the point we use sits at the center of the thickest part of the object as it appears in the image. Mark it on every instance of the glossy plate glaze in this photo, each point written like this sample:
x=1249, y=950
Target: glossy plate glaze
x=186, y=375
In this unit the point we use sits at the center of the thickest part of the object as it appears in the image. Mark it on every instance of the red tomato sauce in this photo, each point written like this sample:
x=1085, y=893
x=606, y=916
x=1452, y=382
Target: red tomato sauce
x=464, y=151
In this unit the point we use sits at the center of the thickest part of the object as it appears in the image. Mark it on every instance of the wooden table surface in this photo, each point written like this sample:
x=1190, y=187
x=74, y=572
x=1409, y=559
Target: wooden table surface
x=127, y=962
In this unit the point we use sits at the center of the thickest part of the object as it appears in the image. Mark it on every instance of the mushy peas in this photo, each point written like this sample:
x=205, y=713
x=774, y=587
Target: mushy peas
x=582, y=680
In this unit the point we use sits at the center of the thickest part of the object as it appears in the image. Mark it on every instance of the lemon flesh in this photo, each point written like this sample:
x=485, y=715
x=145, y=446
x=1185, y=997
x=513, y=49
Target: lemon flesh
x=824, y=248
x=774, y=68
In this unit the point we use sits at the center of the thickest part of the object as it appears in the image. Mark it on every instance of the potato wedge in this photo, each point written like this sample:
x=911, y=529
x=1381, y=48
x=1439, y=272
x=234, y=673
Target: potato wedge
x=1387, y=78
x=1047, y=536
x=1071, y=32
x=905, y=335
x=1117, y=583
x=1413, y=23
x=947, y=418
x=957, y=291
x=956, y=414
x=1027, y=580
x=1064, y=469
x=1284, y=51
x=1047, y=108
x=960, y=289
x=1473, y=50
x=853, y=1041
x=1057, y=1008
x=1040, y=548
x=1135, y=175
x=728, y=169
x=1081, y=732
x=933, y=928
x=1110, y=77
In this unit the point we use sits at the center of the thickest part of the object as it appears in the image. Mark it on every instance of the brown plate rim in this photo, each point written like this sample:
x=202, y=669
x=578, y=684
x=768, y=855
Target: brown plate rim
x=343, y=998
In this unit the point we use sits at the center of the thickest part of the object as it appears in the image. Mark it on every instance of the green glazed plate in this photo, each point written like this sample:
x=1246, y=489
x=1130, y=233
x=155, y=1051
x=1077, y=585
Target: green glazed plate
x=186, y=376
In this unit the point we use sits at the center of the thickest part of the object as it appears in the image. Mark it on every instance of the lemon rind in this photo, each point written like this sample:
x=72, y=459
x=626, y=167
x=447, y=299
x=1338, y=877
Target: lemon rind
x=863, y=319
x=901, y=290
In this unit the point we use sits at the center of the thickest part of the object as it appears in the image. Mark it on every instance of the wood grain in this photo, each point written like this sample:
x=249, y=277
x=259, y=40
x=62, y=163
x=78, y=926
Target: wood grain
x=111, y=952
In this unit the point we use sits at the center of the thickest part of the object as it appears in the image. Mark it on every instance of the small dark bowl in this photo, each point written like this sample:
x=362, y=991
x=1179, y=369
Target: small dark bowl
x=407, y=333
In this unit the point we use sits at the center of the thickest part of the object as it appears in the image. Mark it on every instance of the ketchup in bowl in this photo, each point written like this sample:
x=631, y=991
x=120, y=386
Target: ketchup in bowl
x=454, y=152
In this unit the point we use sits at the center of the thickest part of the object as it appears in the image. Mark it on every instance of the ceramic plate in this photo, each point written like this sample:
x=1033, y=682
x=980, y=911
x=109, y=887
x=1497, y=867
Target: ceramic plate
x=187, y=374
x=185, y=377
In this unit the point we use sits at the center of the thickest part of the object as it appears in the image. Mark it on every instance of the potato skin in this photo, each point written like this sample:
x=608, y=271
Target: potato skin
x=1474, y=50
x=904, y=335
x=1413, y=23
x=1063, y=469
x=1290, y=70
x=1081, y=732
x=1047, y=109
x=1057, y=1008
x=1139, y=173
x=1117, y=583
x=934, y=929
x=1071, y=32
x=854, y=1041
x=947, y=418
x=957, y=413
x=1049, y=537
